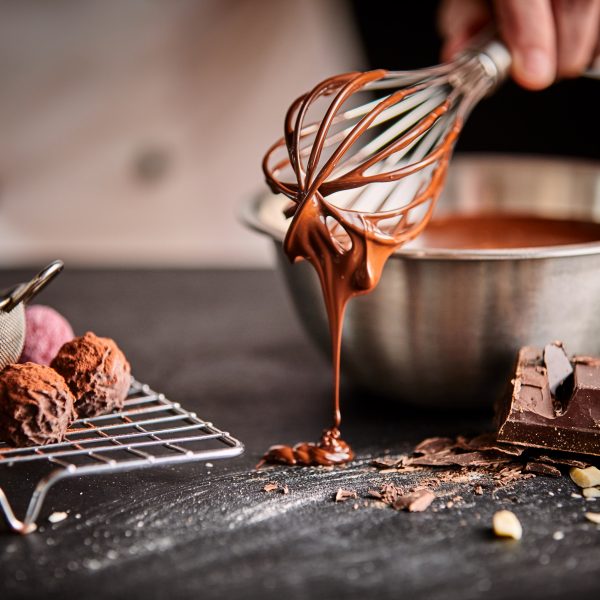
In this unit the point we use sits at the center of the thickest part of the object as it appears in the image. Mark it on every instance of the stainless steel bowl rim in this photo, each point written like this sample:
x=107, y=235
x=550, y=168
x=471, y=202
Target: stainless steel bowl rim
x=250, y=216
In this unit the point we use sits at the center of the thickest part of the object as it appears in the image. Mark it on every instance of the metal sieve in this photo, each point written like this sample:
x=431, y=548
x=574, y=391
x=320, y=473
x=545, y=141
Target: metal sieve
x=12, y=312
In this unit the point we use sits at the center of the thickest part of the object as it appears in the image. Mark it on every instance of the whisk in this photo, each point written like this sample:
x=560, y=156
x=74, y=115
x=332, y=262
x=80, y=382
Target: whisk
x=378, y=167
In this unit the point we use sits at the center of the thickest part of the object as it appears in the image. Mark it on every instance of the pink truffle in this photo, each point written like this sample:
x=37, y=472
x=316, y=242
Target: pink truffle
x=45, y=332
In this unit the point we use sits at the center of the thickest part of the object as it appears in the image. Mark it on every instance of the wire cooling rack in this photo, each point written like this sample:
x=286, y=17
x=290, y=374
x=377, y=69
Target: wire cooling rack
x=150, y=430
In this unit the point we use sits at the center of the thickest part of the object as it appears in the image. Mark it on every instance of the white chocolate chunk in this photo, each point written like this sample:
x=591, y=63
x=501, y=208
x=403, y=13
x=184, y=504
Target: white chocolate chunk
x=593, y=517
x=506, y=524
x=585, y=478
x=57, y=517
x=592, y=492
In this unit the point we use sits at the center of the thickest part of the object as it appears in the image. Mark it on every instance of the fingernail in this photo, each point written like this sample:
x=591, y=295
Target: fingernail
x=536, y=66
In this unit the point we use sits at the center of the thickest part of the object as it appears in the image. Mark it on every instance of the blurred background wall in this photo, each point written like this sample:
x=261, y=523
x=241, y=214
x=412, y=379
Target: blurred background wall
x=131, y=130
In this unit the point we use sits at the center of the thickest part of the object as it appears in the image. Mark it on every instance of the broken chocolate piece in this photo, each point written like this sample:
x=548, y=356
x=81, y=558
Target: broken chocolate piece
x=532, y=417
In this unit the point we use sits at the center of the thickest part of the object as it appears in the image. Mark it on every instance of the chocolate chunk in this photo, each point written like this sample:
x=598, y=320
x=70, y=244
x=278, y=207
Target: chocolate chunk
x=530, y=416
x=97, y=373
x=36, y=405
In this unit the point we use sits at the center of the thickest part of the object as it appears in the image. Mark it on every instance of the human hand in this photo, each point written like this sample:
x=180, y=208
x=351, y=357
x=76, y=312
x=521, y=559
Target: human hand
x=548, y=39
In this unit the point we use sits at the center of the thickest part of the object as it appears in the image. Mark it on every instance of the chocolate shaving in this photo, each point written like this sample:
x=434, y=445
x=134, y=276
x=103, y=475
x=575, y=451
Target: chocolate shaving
x=457, y=461
x=417, y=501
x=374, y=494
x=388, y=463
x=563, y=461
x=487, y=442
x=435, y=445
x=342, y=495
x=276, y=487
x=540, y=468
x=466, y=459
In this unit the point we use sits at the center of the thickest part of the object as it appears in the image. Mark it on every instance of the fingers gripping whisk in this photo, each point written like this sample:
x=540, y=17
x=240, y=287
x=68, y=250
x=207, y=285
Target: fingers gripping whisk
x=378, y=167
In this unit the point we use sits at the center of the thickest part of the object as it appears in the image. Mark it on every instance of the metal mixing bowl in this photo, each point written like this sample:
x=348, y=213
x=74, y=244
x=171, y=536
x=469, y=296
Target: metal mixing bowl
x=443, y=327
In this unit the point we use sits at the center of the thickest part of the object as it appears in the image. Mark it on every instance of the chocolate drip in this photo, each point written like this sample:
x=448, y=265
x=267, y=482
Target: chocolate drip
x=347, y=248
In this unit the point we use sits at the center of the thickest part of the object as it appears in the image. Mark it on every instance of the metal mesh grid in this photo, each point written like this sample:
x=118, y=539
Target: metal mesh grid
x=150, y=430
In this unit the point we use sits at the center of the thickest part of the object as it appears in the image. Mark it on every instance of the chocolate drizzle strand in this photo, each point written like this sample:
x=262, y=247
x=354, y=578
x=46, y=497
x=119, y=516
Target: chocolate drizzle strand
x=363, y=181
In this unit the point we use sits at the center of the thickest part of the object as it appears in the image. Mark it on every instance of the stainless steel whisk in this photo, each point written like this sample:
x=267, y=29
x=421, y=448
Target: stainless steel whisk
x=381, y=165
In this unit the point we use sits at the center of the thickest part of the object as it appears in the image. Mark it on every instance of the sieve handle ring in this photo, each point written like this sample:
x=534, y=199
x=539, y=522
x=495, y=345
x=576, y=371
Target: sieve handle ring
x=26, y=291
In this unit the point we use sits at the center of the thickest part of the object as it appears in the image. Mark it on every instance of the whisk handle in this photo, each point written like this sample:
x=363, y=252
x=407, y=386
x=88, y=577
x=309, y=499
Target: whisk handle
x=495, y=59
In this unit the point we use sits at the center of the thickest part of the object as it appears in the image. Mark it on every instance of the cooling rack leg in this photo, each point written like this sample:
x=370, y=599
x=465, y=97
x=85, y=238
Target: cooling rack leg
x=22, y=527
x=28, y=524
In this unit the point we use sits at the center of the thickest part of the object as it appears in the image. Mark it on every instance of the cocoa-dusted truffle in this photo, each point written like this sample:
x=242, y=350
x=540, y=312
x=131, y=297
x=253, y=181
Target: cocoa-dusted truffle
x=36, y=405
x=97, y=373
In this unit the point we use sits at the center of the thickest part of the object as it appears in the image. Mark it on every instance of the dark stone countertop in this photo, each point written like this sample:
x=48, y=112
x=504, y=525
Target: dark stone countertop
x=226, y=345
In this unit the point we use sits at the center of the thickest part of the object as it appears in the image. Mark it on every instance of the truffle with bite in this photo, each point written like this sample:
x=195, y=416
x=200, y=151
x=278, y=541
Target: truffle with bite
x=36, y=405
x=97, y=373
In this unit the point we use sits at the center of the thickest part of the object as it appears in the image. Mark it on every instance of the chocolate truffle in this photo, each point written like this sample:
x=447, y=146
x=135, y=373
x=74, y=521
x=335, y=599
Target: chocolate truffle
x=97, y=373
x=46, y=331
x=36, y=405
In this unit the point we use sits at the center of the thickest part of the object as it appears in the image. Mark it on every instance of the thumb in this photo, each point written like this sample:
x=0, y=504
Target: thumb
x=529, y=32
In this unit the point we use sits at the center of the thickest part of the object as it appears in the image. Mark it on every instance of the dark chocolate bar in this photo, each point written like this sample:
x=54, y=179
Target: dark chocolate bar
x=552, y=406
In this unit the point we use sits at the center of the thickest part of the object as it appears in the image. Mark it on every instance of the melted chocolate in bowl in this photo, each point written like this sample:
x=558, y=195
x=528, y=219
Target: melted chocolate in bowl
x=503, y=231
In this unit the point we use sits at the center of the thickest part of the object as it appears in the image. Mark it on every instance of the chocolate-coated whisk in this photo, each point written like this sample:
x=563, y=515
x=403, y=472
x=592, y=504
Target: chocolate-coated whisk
x=380, y=166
